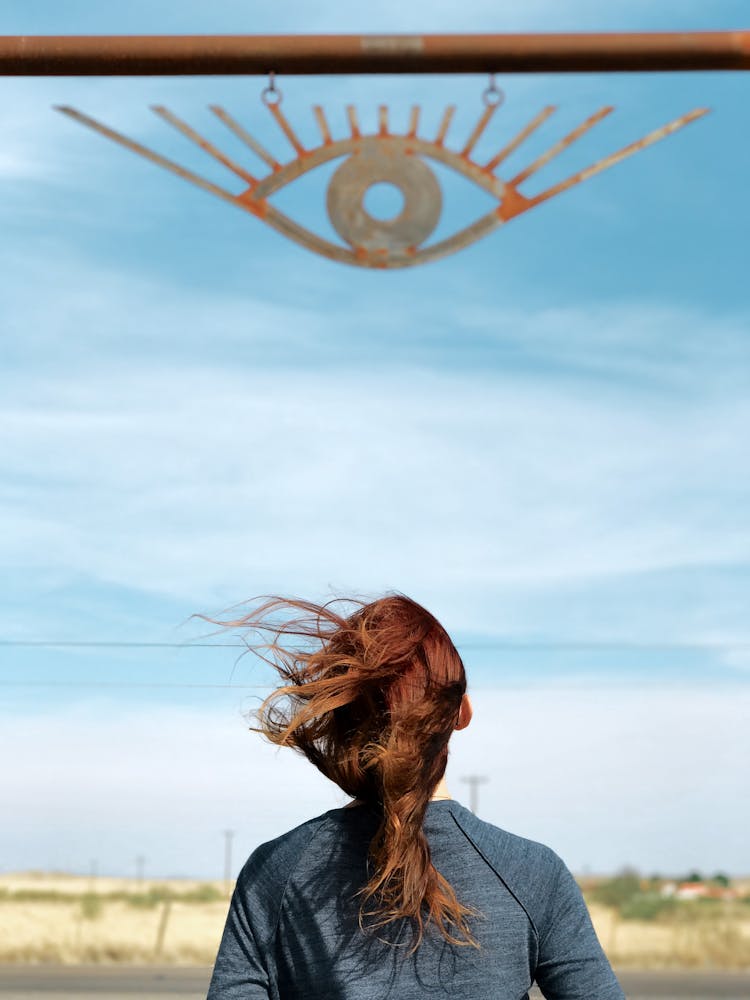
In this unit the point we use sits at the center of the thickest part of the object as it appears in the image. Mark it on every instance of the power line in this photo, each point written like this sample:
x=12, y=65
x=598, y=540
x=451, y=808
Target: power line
x=130, y=684
x=118, y=644
x=508, y=645
x=498, y=645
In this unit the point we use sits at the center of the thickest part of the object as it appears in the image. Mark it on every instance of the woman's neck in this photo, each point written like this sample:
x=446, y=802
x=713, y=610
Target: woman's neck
x=441, y=792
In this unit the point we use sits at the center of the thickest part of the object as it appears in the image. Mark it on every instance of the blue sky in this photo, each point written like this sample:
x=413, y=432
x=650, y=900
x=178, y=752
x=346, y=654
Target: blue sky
x=542, y=438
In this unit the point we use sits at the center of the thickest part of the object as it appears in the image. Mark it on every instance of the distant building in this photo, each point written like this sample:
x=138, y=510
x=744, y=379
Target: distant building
x=699, y=890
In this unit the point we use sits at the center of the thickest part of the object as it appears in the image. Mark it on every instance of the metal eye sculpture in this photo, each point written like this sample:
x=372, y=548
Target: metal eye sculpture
x=398, y=159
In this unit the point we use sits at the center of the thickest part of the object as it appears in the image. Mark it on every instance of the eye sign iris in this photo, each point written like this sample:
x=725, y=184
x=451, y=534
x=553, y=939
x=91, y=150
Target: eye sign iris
x=352, y=180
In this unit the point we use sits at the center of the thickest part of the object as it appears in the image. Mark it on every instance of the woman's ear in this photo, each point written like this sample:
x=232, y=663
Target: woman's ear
x=464, y=713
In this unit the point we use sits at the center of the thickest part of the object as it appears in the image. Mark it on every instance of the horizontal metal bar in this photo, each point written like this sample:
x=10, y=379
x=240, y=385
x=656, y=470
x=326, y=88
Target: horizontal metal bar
x=193, y=55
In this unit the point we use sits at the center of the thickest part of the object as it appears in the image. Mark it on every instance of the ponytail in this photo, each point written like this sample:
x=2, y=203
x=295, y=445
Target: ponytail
x=371, y=699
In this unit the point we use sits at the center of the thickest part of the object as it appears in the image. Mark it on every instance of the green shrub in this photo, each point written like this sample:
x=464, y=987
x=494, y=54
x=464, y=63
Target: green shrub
x=91, y=906
x=205, y=893
x=40, y=896
x=618, y=891
x=647, y=906
x=147, y=900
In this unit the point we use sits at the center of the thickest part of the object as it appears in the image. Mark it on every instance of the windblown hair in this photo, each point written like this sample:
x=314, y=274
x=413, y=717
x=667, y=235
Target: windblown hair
x=371, y=698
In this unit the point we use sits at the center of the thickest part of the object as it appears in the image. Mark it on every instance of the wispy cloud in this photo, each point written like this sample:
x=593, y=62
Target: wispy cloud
x=96, y=312
x=19, y=164
x=738, y=659
x=200, y=443
x=332, y=15
x=199, y=482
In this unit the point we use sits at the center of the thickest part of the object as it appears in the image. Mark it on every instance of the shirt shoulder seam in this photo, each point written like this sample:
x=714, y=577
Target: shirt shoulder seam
x=487, y=861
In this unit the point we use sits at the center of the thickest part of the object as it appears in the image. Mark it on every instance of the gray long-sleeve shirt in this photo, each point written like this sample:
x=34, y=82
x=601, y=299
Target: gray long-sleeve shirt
x=292, y=929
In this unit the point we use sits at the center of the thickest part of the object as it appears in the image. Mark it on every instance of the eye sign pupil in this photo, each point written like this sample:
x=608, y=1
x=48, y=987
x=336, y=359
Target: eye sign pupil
x=384, y=201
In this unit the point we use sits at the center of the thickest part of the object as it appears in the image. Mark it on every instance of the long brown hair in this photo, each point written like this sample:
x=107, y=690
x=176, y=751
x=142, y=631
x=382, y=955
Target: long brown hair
x=371, y=697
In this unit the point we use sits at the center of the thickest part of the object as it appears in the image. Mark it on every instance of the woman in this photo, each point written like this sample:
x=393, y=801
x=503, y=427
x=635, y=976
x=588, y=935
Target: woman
x=403, y=893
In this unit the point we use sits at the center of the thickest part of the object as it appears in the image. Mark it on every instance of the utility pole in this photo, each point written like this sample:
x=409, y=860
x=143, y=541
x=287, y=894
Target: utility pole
x=228, y=835
x=474, y=781
x=93, y=874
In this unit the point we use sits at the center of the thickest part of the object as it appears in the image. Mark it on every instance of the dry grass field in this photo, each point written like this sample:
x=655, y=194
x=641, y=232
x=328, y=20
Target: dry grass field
x=67, y=919
x=59, y=918
x=692, y=940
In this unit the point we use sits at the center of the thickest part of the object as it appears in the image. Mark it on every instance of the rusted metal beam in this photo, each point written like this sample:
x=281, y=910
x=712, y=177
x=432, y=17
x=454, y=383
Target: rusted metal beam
x=175, y=55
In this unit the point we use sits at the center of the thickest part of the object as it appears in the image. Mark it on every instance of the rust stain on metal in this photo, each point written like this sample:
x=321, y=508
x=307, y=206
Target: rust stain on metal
x=560, y=146
x=445, y=124
x=245, y=137
x=385, y=157
x=481, y=125
x=287, y=129
x=413, y=121
x=513, y=204
x=517, y=140
x=320, y=118
x=190, y=133
x=621, y=154
x=383, y=120
x=351, y=114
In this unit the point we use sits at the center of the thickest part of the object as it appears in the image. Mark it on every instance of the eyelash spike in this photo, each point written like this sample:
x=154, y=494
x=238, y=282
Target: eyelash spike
x=383, y=120
x=351, y=114
x=413, y=122
x=562, y=145
x=320, y=118
x=481, y=125
x=522, y=136
x=144, y=151
x=242, y=134
x=621, y=154
x=445, y=124
x=286, y=128
x=205, y=145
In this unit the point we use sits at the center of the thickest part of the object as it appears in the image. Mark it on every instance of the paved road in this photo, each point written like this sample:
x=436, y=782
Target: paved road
x=46, y=982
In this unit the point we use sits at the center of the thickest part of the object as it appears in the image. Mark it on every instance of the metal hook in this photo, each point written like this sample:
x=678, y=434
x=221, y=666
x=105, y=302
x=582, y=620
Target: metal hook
x=493, y=96
x=271, y=95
